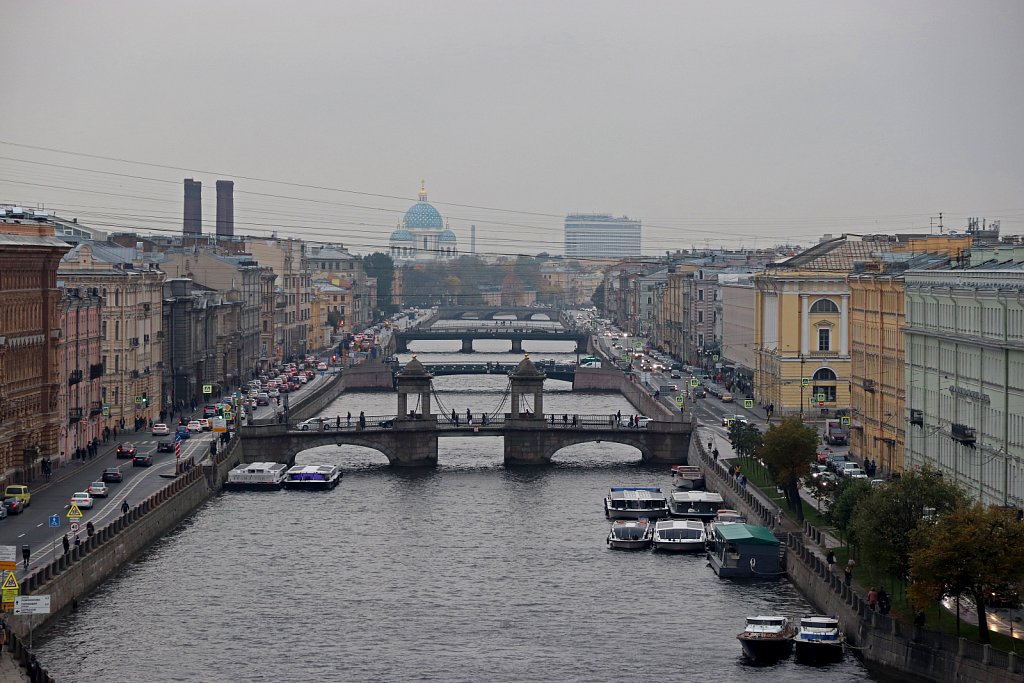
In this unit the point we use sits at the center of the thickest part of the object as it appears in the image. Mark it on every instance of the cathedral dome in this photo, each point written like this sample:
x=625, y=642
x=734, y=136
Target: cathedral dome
x=423, y=215
x=401, y=235
x=447, y=236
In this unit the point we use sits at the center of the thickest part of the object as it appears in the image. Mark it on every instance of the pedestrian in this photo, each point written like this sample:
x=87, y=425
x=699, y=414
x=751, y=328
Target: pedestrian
x=919, y=618
x=715, y=453
x=872, y=598
x=78, y=541
x=362, y=420
x=321, y=422
x=469, y=417
x=455, y=418
x=66, y=543
x=565, y=420
x=348, y=419
x=847, y=575
x=884, y=603
x=26, y=553
x=3, y=635
x=575, y=421
x=552, y=419
x=337, y=422
x=124, y=507
x=830, y=557
x=618, y=417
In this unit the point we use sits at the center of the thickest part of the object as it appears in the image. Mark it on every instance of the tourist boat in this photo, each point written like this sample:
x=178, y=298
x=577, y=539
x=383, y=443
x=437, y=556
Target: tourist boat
x=818, y=640
x=261, y=476
x=679, y=536
x=725, y=516
x=688, y=477
x=312, y=477
x=630, y=534
x=702, y=505
x=634, y=502
x=767, y=639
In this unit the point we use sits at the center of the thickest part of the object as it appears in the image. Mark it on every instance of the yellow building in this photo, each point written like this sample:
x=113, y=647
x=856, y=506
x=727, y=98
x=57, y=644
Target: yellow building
x=877, y=372
x=802, y=326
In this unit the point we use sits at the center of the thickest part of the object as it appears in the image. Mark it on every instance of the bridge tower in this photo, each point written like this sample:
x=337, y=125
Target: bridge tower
x=527, y=380
x=414, y=380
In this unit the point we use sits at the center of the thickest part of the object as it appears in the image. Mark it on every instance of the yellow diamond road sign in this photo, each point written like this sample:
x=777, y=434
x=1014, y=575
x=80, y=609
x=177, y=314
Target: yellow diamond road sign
x=74, y=512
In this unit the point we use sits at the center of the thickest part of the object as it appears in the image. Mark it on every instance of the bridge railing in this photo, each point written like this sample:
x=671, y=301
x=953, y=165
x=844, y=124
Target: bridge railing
x=610, y=420
x=477, y=420
x=344, y=423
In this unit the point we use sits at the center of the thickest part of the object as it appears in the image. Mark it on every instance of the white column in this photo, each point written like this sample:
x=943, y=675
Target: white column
x=805, y=325
x=844, y=325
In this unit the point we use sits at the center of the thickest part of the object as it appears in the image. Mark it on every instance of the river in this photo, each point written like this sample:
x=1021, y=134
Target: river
x=466, y=572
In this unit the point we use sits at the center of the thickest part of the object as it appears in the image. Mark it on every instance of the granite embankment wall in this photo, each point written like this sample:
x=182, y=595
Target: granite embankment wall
x=613, y=379
x=71, y=577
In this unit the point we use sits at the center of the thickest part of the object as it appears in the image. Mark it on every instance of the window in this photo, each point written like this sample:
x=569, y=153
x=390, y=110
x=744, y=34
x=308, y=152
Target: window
x=700, y=295
x=825, y=375
x=824, y=306
x=825, y=339
x=828, y=392
x=700, y=316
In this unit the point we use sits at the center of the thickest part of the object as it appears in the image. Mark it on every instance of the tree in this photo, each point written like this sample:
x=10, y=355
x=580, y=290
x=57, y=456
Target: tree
x=884, y=520
x=597, y=298
x=745, y=438
x=787, y=452
x=382, y=267
x=967, y=550
x=848, y=495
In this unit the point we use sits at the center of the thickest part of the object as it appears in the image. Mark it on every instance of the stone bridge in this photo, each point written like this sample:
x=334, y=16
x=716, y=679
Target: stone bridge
x=467, y=334
x=490, y=312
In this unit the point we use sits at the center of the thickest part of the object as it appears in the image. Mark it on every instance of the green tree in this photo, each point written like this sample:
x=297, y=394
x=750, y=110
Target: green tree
x=380, y=266
x=597, y=298
x=745, y=438
x=884, y=520
x=967, y=550
x=787, y=452
x=848, y=495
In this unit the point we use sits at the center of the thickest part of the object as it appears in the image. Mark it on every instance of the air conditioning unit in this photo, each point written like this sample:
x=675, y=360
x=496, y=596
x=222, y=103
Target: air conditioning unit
x=145, y=306
x=869, y=385
x=135, y=341
x=963, y=434
x=917, y=417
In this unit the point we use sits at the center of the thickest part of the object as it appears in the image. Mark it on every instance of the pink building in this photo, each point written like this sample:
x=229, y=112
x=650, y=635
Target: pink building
x=80, y=368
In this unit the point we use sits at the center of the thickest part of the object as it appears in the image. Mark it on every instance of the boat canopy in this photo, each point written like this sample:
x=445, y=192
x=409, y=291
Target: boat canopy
x=653, y=489
x=630, y=532
x=696, y=497
x=680, y=534
x=746, y=534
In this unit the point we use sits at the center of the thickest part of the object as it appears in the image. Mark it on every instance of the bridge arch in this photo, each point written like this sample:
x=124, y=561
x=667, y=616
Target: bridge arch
x=584, y=453
x=355, y=456
x=568, y=437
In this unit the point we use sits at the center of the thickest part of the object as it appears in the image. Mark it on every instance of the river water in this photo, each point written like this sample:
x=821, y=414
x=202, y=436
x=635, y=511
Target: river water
x=466, y=572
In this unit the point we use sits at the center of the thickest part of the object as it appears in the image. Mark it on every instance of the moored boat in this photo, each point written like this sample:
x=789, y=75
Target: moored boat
x=766, y=638
x=688, y=477
x=630, y=534
x=818, y=640
x=725, y=516
x=702, y=505
x=679, y=536
x=634, y=502
x=257, y=476
x=312, y=477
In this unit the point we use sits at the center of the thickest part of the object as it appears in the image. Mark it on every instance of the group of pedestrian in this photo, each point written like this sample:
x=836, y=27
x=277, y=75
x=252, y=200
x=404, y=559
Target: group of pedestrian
x=879, y=600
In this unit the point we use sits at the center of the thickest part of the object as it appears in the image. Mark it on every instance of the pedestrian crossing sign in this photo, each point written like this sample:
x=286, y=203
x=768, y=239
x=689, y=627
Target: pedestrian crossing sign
x=680, y=401
x=821, y=398
x=694, y=382
x=844, y=420
x=10, y=583
x=74, y=512
x=105, y=411
x=207, y=388
x=804, y=381
x=748, y=403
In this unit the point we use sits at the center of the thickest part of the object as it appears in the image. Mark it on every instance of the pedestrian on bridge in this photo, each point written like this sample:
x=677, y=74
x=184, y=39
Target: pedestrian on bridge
x=348, y=419
x=67, y=544
x=469, y=417
x=337, y=422
x=565, y=420
x=362, y=420
x=124, y=507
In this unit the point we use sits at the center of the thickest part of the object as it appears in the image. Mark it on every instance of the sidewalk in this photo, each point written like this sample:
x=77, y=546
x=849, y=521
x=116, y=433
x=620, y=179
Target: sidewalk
x=9, y=669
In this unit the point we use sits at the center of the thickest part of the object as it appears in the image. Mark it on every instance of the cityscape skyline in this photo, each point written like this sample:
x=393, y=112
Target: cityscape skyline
x=732, y=125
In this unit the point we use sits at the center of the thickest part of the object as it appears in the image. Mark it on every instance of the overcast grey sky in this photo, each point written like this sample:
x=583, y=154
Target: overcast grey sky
x=714, y=122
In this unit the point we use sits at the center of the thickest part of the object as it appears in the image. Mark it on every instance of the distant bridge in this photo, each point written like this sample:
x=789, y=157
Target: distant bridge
x=490, y=312
x=560, y=371
x=467, y=334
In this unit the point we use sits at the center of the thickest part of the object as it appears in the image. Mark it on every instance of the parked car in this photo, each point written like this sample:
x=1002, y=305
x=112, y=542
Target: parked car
x=98, y=489
x=161, y=430
x=82, y=499
x=125, y=450
x=142, y=460
x=313, y=423
x=14, y=506
x=165, y=446
x=20, y=492
x=112, y=475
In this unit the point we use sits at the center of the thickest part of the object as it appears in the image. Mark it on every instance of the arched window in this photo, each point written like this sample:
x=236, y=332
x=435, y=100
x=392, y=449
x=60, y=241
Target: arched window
x=824, y=306
x=825, y=375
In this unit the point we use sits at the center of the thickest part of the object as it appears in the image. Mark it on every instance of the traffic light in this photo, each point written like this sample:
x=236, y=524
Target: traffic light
x=145, y=400
x=334, y=359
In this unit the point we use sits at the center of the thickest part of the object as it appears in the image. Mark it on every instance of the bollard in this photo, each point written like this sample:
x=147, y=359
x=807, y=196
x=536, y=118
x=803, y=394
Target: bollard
x=961, y=650
x=1011, y=662
x=986, y=654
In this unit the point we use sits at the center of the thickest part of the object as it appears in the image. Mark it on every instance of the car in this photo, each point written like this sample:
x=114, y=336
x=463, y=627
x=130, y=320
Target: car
x=847, y=467
x=205, y=424
x=313, y=423
x=181, y=433
x=321, y=366
x=112, y=475
x=161, y=430
x=19, y=491
x=854, y=473
x=726, y=398
x=125, y=450
x=98, y=489
x=726, y=419
x=675, y=374
x=274, y=392
x=142, y=460
x=209, y=411
x=14, y=506
x=195, y=426
x=82, y=499
x=642, y=421
x=165, y=446
x=262, y=399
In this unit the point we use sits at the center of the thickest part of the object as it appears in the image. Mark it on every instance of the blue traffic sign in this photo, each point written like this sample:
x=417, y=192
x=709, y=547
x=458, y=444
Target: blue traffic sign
x=54, y=520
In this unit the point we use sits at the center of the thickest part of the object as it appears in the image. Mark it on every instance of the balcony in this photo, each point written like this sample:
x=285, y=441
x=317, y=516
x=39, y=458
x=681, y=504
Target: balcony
x=74, y=415
x=134, y=374
x=869, y=385
x=75, y=377
x=963, y=434
x=917, y=417
x=95, y=370
x=95, y=409
x=135, y=341
x=146, y=307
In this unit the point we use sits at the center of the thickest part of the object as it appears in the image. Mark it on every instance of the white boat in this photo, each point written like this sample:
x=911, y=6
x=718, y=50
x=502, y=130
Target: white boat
x=725, y=516
x=702, y=505
x=818, y=640
x=680, y=536
x=634, y=502
x=766, y=639
x=688, y=477
x=630, y=534
x=261, y=476
x=312, y=477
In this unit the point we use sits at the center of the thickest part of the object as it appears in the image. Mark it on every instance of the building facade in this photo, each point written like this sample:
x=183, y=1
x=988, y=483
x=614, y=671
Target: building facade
x=80, y=359
x=738, y=301
x=599, y=235
x=422, y=235
x=29, y=340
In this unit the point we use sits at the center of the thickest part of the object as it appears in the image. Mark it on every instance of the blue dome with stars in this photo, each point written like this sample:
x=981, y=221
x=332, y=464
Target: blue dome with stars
x=446, y=236
x=423, y=215
x=401, y=236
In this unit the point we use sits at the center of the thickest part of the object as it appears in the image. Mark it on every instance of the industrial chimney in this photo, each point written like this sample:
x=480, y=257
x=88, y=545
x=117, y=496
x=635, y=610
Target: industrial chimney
x=193, y=217
x=225, y=208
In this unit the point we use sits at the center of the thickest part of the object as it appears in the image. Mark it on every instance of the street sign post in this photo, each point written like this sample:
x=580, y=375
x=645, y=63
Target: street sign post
x=74, y=512
x=680, y=401
x=844, y=420
x=10, y=590
x=694, y=382
x=32, y=604
x=54, y=520
x=207, y=389
x=804, y=381
x=8, y=557
x=748, y=403
x=75, y=526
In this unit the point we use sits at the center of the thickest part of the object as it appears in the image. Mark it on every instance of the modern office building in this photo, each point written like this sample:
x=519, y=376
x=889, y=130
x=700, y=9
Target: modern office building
x=599, y=235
